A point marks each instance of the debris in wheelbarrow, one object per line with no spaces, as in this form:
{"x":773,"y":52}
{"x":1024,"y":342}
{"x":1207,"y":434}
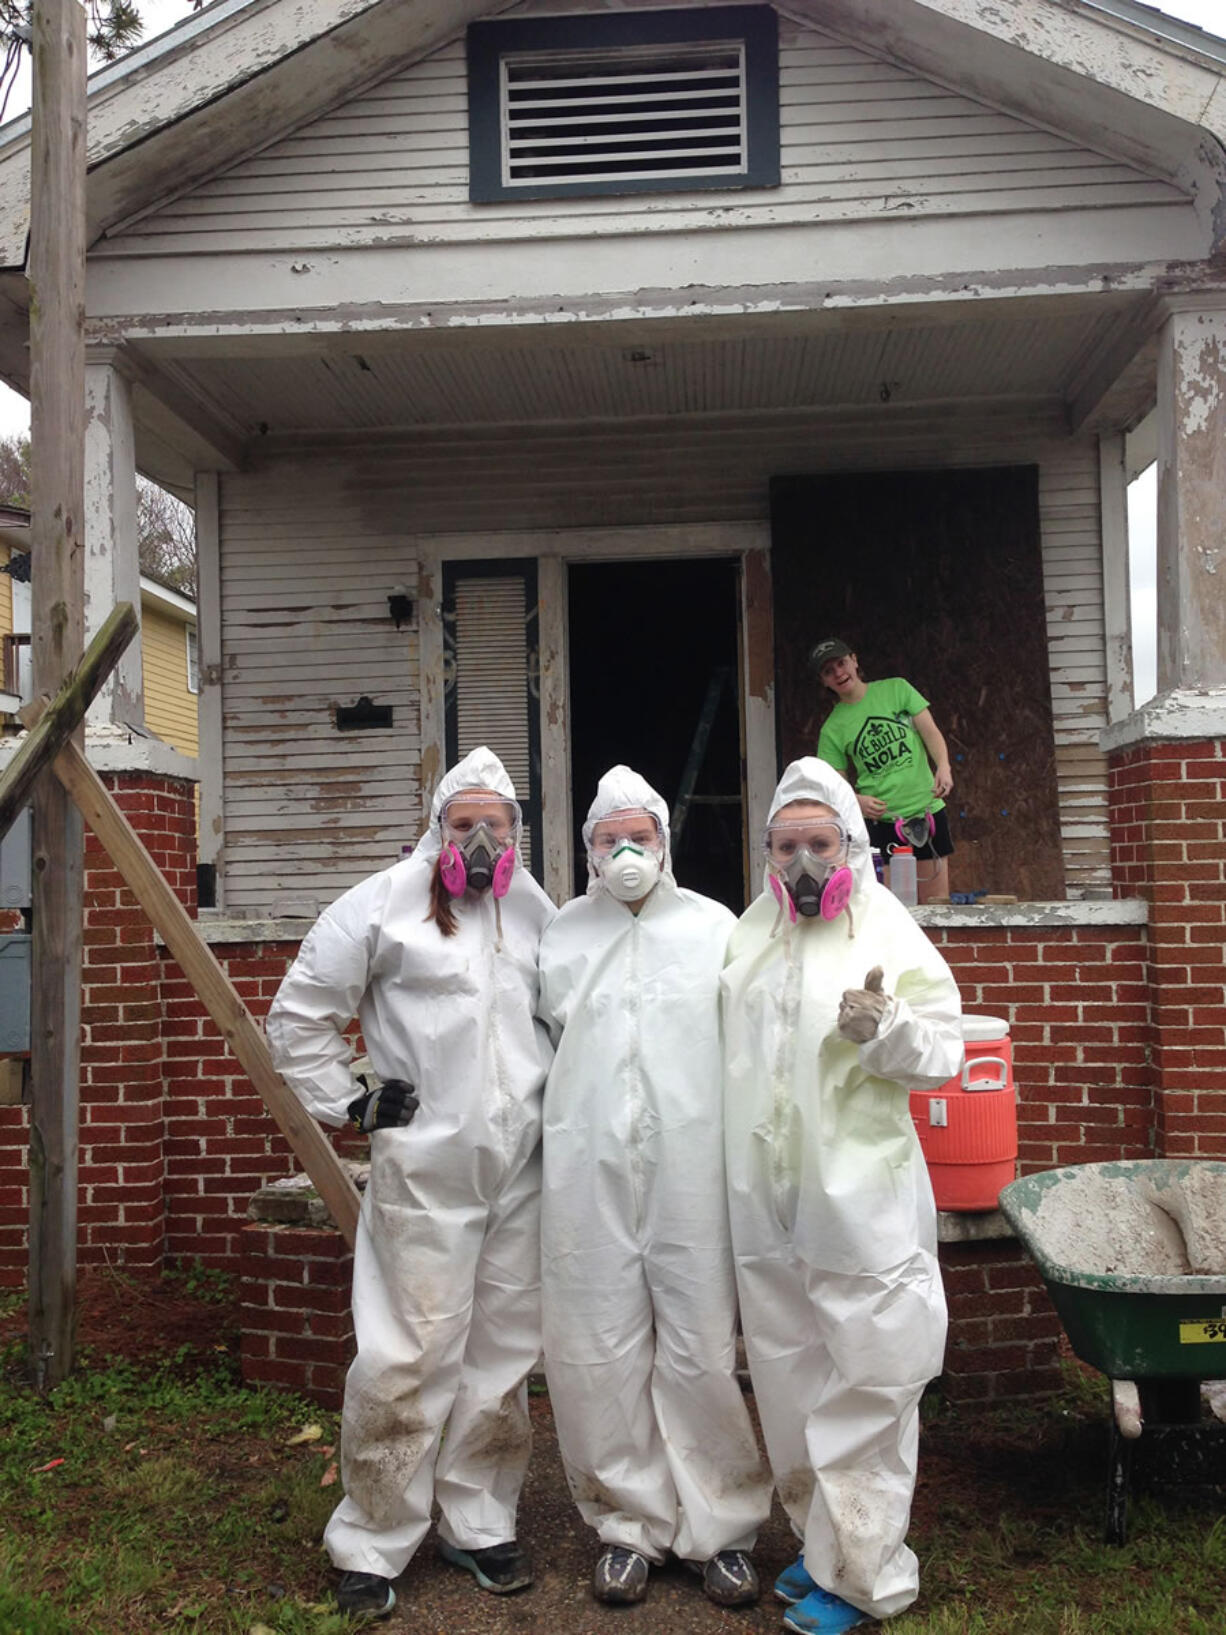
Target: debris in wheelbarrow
{"x":1133,"y":1255}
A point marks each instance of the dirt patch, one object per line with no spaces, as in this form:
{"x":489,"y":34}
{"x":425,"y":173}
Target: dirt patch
{"x":187,"y":1320}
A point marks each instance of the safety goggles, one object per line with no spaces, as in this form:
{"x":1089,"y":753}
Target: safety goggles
{"x":463,"y":815}
{"x":638,"y":828}
{"x":825,"y":840}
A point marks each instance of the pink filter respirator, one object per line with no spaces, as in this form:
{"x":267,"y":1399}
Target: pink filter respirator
{"x":454,"y":871}
{"x":836,"y":894}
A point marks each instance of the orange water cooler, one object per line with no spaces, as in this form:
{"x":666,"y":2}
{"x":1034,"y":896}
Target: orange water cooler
{"x":968,"y":1127}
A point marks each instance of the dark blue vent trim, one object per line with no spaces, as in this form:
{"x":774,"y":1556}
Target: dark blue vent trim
{"x":756,"y":27}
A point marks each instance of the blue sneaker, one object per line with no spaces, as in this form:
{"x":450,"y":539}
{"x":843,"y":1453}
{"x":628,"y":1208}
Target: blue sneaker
{"x":821,"y":1613}
{"x":794,"y":1583}
{"x":499,"y":1568}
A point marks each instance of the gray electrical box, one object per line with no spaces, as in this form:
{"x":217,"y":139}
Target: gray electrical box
{"x":14,"y":993}
{"x":15,"y":863}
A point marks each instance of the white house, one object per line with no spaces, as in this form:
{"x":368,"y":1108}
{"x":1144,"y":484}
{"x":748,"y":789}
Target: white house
{"x":554,"y":377}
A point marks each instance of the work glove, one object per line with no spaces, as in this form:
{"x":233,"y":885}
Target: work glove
{"x":861,"y":1009}
{"x":390,"y":1107}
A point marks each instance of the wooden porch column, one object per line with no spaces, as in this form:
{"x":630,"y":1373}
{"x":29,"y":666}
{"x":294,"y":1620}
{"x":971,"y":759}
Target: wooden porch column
{"x":112,"y":554}
{"x":57,"y":398}
{"x":1192,"y":496}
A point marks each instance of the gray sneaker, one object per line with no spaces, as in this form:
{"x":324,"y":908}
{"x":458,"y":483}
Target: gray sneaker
{"x":620,"y":1575}
{"x":729,"y":1579}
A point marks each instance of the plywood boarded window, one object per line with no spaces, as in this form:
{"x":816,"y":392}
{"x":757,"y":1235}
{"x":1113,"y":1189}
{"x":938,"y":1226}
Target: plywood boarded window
{"x":936,"y":576}
{"x":491,"y":670}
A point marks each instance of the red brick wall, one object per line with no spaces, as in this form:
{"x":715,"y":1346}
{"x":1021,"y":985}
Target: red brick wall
{"x":1003,"y":1330}
{"x":221,"y":1144}
{"x":1169,"y":847}
{"x":120,"y":1205}
{"x":1077,"y":1004}
{"x":297,"y":1326}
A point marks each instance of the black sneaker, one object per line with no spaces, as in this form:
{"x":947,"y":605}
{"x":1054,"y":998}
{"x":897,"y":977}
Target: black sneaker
{"x":365,"y":1594}
{"x":620,"y":1575}
{"x":499,"y":1568}
{"x":729,"y":1579}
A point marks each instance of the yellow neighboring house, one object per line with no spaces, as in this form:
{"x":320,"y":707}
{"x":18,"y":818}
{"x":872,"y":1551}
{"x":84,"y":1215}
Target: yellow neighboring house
{"x":168,"y":645}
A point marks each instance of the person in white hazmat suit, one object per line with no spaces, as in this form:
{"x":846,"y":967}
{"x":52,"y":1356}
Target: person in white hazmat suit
{"x":638,"y":1291}
{"x":835,"y":1006}
{"x":437,"y":956}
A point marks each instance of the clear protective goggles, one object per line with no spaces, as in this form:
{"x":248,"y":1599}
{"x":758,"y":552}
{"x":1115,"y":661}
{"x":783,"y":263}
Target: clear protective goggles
{"x":638,"y":828}
{"x":464,"y":814}
{"x":825,"y":839}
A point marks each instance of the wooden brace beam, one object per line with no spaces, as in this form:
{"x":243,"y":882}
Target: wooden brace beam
{"x":57,"y":722}
{"x":211,"y":984}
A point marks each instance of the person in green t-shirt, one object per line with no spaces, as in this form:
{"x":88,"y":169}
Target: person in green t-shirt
{"x":881,"y":736}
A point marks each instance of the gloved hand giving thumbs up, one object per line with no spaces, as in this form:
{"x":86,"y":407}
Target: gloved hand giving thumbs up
{"x":861,"y":1009}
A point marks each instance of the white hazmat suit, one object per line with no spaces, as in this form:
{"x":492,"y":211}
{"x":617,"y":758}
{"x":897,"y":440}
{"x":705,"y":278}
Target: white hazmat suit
{"x":833,"y":1223}
{"x":638,"y":1289}
{"x":446,"y":1274}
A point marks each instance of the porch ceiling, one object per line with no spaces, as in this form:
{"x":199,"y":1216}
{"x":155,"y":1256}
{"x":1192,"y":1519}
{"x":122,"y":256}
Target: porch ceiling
{"x":384,"y":383}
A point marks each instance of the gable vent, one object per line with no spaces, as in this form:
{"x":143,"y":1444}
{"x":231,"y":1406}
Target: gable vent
{"x":631,"y":113}
{"x":623,"y":102}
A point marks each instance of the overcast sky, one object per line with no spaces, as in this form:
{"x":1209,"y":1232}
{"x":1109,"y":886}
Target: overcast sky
{"x":159,"y":15}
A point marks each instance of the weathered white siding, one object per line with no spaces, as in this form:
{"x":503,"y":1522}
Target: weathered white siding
{"x":312,"y":544}
{"x":861,"y":139}
{"x":308,"y":809}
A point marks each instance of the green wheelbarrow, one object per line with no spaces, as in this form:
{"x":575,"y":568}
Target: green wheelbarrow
{"x":1134,"y":1258}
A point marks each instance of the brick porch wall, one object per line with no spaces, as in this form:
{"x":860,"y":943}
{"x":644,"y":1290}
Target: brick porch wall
{"x":121,"y":1210}
{"x":1077,"y":1002}
{"x":1169,"y":847}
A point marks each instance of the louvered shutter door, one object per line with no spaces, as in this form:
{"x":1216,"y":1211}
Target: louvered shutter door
{"x":491,"y":689}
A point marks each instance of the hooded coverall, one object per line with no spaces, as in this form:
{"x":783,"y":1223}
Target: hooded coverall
{"x":446,"y":1274}
{"x":638,"y":1291}
{"x":833,"y":1223}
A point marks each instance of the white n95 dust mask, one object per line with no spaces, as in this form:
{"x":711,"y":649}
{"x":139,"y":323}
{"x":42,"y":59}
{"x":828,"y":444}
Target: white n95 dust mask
{"x":629,"y":872}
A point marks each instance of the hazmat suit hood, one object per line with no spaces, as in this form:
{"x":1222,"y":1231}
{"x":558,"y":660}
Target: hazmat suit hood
{"x":480,"y":769}
{"x":623,"y":790}
{"x":812,"y":780}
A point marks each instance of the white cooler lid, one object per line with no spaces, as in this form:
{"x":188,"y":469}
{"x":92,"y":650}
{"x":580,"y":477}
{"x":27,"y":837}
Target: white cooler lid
{"x":976,"y":1029}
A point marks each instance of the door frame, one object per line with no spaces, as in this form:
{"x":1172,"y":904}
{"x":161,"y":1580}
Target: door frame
{"x":554,"y":549}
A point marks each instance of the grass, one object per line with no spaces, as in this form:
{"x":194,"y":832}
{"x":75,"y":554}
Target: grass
{"x":1013,"y":1540}
{"x":181,"y":1505}
{"x":178,"y":1506}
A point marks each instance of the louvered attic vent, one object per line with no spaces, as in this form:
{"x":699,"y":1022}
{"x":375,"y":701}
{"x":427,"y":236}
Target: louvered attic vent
{"x":624,"y":114}
{"x":624,"y":103}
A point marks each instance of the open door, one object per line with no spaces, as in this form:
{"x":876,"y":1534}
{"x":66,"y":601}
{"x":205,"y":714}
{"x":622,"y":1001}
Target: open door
{"x":655,"y":683}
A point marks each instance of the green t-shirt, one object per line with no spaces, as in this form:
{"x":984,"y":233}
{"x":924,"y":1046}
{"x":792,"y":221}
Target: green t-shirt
{"x":886,"y":755}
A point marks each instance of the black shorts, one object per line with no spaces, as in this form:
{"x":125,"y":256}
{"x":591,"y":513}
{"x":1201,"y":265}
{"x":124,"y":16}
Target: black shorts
{"x":885,"y":838}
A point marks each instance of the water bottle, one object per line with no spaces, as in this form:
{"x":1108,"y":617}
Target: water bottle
{"x":902,"y":875}
{"x":878,"y":866}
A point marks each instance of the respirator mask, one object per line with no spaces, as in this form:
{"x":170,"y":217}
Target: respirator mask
{"x":478,"y":846}
{"x":627,"y":853}
{"x":630,"y":872}
{"x":807,"y":864}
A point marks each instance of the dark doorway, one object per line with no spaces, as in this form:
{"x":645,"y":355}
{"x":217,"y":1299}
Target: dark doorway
{"x":654,"y":684}
{"x":936,"y":576}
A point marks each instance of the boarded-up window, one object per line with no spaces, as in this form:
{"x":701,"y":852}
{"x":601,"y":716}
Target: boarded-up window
{"x":491,"y":669}
{"x":936,"y":576}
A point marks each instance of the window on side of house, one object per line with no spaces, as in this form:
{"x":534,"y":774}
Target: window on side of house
{"x":193,"y":659}
{"x":647,"y":102}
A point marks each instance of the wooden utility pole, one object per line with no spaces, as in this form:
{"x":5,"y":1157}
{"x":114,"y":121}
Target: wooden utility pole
{"x":57,"y":510}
